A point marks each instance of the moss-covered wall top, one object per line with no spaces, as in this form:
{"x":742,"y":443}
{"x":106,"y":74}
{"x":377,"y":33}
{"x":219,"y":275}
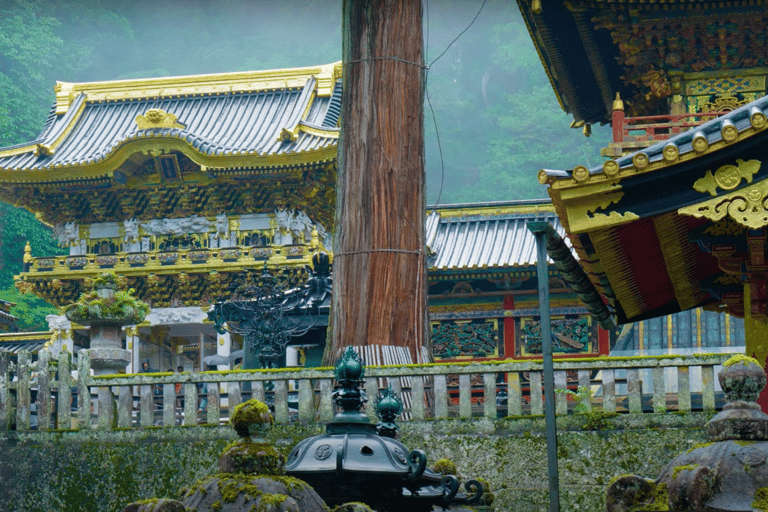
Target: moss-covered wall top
{"x":94,"y":471}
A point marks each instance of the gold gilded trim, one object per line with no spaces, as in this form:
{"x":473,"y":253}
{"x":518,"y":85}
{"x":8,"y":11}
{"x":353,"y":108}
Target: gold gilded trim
{"x":157,"y":118}
{"x":670,"y":152}
{"x":581,"y":174}
{"x":611,"y":167}
{"x":19,"y":151}
{"x":495,"y":210}
{"x":640,"y":161}
{"x":105,"y":167}
{"x":746,"y":206}
{"x":50,"y":149}
{"x":700,"y":143}
{"x":220,"y":83}
{"x":727,"y":177}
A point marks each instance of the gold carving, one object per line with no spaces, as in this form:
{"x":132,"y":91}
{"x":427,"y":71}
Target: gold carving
{"x":728,"y":280}
{"x":581,"y":174}
{"x":729,"y":132}
{"x":640,"y":161}
{"x":725,"y":227}
{"x":157,"y":118}
{"x":727,"y":177}
{"x":670,"y":152}
{"x":700,"y":143}
{"x":615,"y":217}
{"x":746,"y":206}
{"x":543,"y":177}
{"x":610,"y":167}
{"x":757,"y":119}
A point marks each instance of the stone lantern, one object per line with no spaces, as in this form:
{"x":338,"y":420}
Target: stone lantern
{"x":728,"y":473}
{"x":106,"y":310}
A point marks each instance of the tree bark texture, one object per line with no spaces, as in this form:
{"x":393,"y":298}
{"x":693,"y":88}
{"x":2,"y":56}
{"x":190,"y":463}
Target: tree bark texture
{"x":379,"y":267}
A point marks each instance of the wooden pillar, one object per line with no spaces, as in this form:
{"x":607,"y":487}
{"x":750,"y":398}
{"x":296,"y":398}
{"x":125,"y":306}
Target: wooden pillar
{"x":379,"y":267}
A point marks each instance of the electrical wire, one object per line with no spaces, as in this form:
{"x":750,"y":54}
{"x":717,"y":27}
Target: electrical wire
{"x":429,"y":102}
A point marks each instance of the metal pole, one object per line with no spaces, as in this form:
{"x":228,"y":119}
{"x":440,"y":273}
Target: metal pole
{"x":539,"y":229}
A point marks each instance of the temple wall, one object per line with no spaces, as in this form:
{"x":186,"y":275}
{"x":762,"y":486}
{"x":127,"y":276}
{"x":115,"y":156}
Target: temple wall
{"x":103,"y":471}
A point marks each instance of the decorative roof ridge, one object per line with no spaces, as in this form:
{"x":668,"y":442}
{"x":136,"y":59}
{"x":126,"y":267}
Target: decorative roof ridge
{"x":59,"y":131}
{"x":484,"y":217}
{"x":739,"y":124}
{"x":237,"y":81}
{"x":485,"y":204}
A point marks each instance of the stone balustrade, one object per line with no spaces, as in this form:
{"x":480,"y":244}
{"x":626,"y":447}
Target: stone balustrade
{"x":32,"y":398}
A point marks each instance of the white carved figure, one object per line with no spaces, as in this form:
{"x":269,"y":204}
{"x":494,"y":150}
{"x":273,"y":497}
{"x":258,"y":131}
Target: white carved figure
{"x":283,"y":232}
{"x":67,"y":234}
{"x":59,"y":322}
{"x":301,"y":226}
{"x":178,"y":315}
{"x":222,"y":226}
{"x":153,"y":227}
{"x":131,"y":231}
{"x":193,"y":224}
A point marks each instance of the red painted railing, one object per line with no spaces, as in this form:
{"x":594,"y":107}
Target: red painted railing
{"x":633,"y":133}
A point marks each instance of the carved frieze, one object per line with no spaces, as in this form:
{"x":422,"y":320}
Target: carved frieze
{"x":746,"y":206}
{"x":193,"y":224}
{"x":167,"y":316}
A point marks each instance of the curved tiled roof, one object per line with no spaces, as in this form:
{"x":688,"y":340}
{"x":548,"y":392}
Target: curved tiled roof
{"x":485,"y":241}
{"x":736,"y":125}
{"x":267,"y":121}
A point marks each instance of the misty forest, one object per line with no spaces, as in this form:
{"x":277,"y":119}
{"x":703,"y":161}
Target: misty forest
{"x":492,"y":119}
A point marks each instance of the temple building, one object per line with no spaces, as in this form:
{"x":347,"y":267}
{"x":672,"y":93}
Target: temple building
{"x":183,"y":185}
{"x":672,"y":228}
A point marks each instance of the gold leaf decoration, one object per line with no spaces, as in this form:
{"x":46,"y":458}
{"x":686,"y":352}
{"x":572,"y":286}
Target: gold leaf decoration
{"x":727,"y":177}
{"x":157,"y":118}
{"x":746,"y":206}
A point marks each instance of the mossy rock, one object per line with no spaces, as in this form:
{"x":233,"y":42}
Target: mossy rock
{"x":248,"y":457}
{"x":445,"y":467}
{"x":227,"y":492}
{"x":156,"y":505}
{"x":353,"y":507}
{"x":250,"y":416}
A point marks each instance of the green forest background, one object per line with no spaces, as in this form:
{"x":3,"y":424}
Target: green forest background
{"x":496,"y":115}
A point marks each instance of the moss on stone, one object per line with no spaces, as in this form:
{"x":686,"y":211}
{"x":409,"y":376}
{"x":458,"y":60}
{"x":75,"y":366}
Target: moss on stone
{"x":678,"y":469}
{"x":445,"y":467}
{"x":252,"y":412}
{"x":761,"y":499}
{"x":659,"y":500}
{"x":741,"y":359}
{"x":249,"y":457}
{"x":697,"y":446}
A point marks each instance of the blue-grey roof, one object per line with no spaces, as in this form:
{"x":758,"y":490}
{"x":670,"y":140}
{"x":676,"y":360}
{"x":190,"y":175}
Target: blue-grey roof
{"x":485,"y":240}
{"x":729,"y":127}
{"x":229,"y":123}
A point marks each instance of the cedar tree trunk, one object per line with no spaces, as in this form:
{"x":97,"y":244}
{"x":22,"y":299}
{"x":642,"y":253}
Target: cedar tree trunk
{"x":379,"y":267}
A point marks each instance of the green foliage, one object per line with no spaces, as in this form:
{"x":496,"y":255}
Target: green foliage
{"x":17,"y":227}
{"x":121,"y":307}
{"x":30,"y":310}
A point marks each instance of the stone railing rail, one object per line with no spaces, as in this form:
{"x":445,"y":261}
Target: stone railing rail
{"x":31,"y":398}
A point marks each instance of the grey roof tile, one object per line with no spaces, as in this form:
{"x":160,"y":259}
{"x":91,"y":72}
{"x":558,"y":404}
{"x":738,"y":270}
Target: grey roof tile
{"x":484,"y":241}
{"x":214,"y":124}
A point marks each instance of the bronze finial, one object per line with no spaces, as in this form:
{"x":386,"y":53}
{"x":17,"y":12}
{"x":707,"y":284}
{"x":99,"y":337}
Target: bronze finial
{"x":618,"y":104}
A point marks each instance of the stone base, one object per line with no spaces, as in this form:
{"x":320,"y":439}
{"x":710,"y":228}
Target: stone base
{"x":106,"y":361}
